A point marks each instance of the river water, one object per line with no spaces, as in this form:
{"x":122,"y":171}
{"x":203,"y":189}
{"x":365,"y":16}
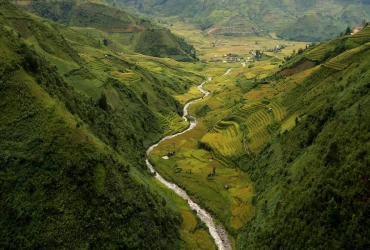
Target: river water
{"x":216,"y":231}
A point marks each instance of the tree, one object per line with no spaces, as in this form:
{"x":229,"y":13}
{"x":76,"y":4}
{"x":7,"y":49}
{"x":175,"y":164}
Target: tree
{"x":30,"y":62}
{"x":105,"y":41}
{"x":332,"y":212}
{"x":348,"y":31}
{"x":102,"y":102}
{"x":144,"y":97}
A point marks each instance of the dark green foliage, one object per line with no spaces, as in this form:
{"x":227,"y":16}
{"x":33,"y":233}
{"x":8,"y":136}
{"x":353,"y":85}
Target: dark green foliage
{"x":144,"y":97}
{"x":154,"y":42}
{"x":105,"y":42}
{"x":202,"y":111}
{"x":204,"y":145}
{"x":102,"y":102}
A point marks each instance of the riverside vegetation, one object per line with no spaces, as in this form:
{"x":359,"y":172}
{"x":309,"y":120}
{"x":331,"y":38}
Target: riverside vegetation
{"x":279,"y":155}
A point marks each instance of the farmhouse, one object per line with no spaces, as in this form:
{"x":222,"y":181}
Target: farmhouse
{"x":357,"y":29}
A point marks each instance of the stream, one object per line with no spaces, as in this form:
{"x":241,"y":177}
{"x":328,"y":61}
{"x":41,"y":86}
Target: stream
{"x":217,"y":232}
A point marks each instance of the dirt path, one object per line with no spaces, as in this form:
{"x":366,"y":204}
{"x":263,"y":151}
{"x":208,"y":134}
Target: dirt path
{"x":217,"y":232}
{"x":227,"y":72}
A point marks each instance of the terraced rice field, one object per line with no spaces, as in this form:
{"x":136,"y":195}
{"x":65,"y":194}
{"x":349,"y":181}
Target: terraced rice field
{"x":278,"y":110}
{"x":152,"y":66}
{"x":172,"y":122}
{"x":98,"y":66}
{"x":336,"y":65}
{"x":259,"y":138}
{"x":127,"y":77}
{"x":256,"y":124}
{"x":87,"y":58}
{"x":246,"y":110}
{"x":258,"y":119}
{"x":317,"y":53}
{"x":226,"y":138}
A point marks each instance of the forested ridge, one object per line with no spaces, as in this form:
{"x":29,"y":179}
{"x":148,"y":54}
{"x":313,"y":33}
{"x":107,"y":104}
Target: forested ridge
{"x":66,"y":156}
{"x":117,"y":27}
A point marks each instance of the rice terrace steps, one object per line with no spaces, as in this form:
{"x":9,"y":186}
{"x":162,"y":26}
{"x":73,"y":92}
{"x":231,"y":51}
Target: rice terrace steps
{"x":226,"y":138}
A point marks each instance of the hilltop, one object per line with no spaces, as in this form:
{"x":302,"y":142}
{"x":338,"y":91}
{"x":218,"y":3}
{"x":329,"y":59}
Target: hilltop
{"x":116,"y":28}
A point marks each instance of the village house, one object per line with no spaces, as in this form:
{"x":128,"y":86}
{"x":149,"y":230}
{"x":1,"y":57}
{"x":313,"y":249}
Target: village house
{"x":357,"y":29}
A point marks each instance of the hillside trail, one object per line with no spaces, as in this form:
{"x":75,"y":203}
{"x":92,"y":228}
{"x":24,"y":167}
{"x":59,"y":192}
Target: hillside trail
{"x":217,"y":232}
{"x":227,"y":72}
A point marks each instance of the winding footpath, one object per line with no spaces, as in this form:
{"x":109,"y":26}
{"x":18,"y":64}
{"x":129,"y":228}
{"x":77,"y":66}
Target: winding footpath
{"x":216,"y":231}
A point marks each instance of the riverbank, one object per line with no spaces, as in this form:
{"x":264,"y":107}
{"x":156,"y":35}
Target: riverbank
{"x":217,"y":232}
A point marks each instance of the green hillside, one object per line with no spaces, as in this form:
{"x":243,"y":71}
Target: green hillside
{"x":312,"y":180}
{"x":76,"y":120}
{"x":119,"y":30}
{"x":292,"y":19}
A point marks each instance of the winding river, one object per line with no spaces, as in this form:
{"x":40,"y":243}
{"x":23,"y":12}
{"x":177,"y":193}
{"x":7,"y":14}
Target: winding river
{"x":216,"y":231}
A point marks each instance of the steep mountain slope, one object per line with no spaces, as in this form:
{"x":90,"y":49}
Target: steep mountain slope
{"x":312,"y":178}
{"x":73,"y":126}
{"x":287,"y":18}
{"x":118,"y":28}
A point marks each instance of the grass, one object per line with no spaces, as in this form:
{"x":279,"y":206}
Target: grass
{"x":289,"y":123}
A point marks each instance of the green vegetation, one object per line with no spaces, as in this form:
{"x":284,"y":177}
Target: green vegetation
{"x":283,"y":163}
{"x":115,"y":28}
{"x":279,"y":156}
{"x":311,"y":184}
{"x":73,"y":137}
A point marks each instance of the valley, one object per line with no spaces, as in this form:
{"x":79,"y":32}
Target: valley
{"x":118,"y":132}
{"x":212,"y":179}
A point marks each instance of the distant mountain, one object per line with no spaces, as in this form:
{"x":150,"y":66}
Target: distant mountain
{"x":119,"y":27}
{"x":288,"y":19}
